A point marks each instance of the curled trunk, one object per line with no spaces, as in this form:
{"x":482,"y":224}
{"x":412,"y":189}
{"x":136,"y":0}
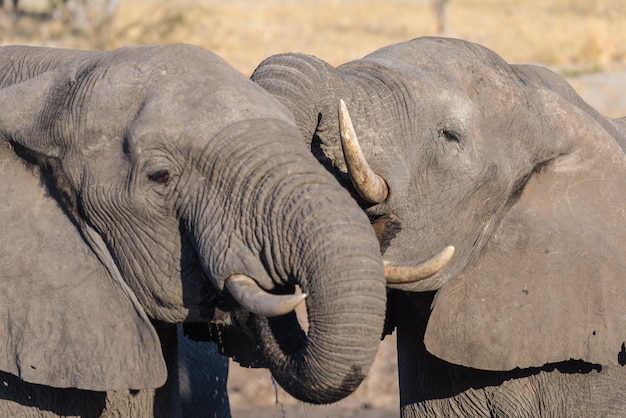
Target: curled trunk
{"x":310,"y":88}
{"x":341,"y":272}
{"x":306,"y":231}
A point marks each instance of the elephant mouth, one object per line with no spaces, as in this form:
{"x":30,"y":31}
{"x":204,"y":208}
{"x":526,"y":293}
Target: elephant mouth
{"x":240,"y":291}
{"x":386,"y":227}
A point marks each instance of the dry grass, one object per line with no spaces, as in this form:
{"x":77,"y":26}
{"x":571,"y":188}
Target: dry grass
{"x":579,"y":35}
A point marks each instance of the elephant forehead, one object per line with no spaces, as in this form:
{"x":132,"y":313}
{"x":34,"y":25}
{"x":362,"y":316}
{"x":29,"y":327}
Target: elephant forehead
{"x":169,"y":103}
{"x":471,"y":67}
{"x":180,"y":78}
{"x":444,"y":55}
{"x":210,"y":105}
{"x":184,"y":61}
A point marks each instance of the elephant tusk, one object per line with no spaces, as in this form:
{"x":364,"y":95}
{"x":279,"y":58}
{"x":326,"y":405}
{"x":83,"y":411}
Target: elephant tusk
{"x":258,"y":301}
{"x":413,"y":271}
{"x":370,"y":186}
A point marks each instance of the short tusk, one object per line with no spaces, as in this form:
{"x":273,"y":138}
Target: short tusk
{"x":259,"y":302}
{"x":413,"y":271}
{"x":368,"y":184}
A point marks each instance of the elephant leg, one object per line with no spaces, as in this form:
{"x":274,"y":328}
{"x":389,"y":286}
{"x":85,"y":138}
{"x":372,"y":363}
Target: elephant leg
{"x":572,"y":388}
{"x":432,"y":387}
{"x":428,"y":385}
{"x":163,"y":402}
{"x":167,"y":398}
{"x":203,"y":375}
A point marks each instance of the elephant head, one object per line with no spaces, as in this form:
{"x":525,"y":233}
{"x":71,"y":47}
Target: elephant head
{"x":149,"y":185}
{"x":504,"y":162}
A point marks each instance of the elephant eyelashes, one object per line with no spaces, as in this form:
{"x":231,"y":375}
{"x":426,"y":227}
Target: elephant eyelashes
{"x":160,"y":176}
{"x":449,"y":135}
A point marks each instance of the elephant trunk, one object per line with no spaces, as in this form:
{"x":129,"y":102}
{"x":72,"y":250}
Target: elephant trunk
{"x":337,"y":263}
{"x":312,"y":90}
{"x":309,"y":87}
{"x":298,"y":227}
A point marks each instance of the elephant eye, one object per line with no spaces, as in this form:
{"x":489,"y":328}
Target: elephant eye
{"x":160,"y":176}
{"x":449,"y":135}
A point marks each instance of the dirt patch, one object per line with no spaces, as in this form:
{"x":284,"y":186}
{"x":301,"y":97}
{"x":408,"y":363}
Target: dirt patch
{"x":253,"y":394}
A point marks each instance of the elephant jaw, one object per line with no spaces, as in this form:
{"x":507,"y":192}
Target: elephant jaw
{"x":230,"y":266}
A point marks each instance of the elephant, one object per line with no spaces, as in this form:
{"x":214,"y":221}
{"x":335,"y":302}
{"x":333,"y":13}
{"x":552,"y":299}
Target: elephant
{"x":151,"y":185}
{"x":442,"y":141}
{"x":202,"y":376}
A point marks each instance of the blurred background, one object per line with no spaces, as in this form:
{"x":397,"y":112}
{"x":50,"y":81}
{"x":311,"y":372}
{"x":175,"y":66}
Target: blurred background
{"x":585,"y":40}
{"x":574,"y":35}
{"x":581,"y":39}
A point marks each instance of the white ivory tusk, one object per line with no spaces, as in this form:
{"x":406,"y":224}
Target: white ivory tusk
{"x":258,"y":301}
{"x":413,"y":271}
{"x":368,"y":184}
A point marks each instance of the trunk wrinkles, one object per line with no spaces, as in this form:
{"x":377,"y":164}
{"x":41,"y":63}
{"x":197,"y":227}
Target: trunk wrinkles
{"x":331,"y":252}
{"x":294,"y":225}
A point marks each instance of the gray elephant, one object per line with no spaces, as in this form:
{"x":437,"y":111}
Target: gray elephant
{"x":151,"y":185}
{"x":202,"y":376}
{"x":447,"y":143}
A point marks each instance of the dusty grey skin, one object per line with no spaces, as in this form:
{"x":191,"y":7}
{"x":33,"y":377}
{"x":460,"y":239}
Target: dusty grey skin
{"x":508,"y":164}
{"x":135,"y":182}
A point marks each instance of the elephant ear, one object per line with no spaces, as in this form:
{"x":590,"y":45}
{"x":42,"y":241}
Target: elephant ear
{"x":550,"y":285}
{"x":66,"y":317}
{"x":64,"y":321}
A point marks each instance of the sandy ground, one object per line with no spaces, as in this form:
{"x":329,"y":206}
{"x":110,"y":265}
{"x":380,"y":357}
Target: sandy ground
{"x":585,"y":40}
{"x":253,"y":394}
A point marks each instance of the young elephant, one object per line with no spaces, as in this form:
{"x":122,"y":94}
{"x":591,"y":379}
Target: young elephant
{"x":151,"y":185}
{"x":526,"y":180}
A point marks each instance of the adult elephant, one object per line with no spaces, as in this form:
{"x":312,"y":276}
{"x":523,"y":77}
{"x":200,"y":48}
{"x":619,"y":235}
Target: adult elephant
{"x":152,"y":185}
{"x":524,"y":178}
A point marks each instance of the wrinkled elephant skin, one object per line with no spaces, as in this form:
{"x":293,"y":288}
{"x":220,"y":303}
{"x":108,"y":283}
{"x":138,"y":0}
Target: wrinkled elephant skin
{"x":136,"y":184}
{"x":527,"y":181}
